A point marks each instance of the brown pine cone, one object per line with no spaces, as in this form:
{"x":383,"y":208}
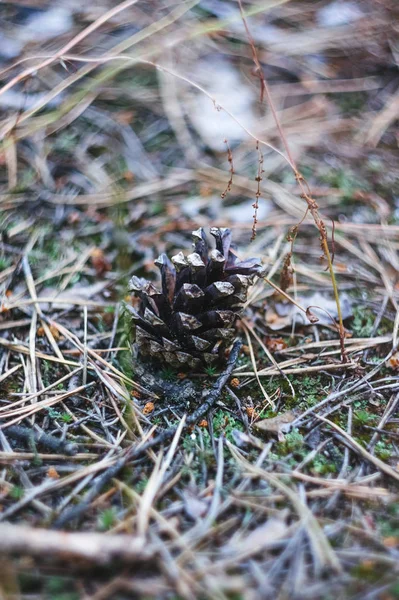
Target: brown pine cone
{"x":190,"y":323}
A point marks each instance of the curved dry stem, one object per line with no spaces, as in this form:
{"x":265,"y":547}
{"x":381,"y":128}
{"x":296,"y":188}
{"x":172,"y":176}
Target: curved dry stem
{"x":304,"y":187}
{"x":68,"y":46}
{"x":106,"y":59}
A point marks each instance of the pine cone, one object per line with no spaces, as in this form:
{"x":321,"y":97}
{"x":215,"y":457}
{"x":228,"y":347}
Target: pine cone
{"x":190,"y":323}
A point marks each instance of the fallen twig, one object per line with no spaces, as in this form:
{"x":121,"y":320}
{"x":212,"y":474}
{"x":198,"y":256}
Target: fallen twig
{"x":30,"y":436}
{"x":135,"y":451}
{"x":96,"y":548}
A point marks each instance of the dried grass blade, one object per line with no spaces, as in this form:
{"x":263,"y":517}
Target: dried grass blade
{"x":362,"y":451}
{"x":253,"y":360}
{"x":8,"y":373}
{"x":326,"y":557}
{"x":155,"y":482}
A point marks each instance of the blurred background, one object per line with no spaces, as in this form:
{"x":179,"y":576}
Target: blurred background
{"x":117,"y":122}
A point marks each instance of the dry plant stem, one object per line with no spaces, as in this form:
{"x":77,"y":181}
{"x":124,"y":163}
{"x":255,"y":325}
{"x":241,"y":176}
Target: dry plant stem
{"x":231,"y":171}
{"x":135,"y":451}
{"x":325,"y":557}
{"x":13,"y":457}
{"x":91,"y":548}
{"x":387,"y":469}
{"x":103,"y":60}
{"x":341,"y":328}
{"x":253,"y":360}
{"x":287,"y":296}
{"x":305,"y":191}
{"x":217,"y":25}
{"x":264,"y":87}
{"x":258,"y":180}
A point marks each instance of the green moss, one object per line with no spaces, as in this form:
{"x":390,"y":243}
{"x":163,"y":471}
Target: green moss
{"x":17,"y":492}
{"x":4,"y":262}
{"x":169,"y":374}
{"x":125,"y":361}
{"x":203,"y":453}
{"x":353,"y":102}
{"x":224,"y":424}
{"x":26,"y":179}
{"x":109,"y":310}
{"x":370,"y":572}
{"x":309,"y":389}
{"x":293,"y":442}
{"x":59,"y":588}
{"x":53,"y":413}
{"x":364,"y":417}
{"x":322,"y":466}
{"x":345,"y":180}
{"x":66,"y":417}
{"x":388,"y":525}
{"x":210,"y":371}
{"x":141,"y":485}
{"x":107,"y":518}
{"x":383,"y":450}
{"x":363,"y":321}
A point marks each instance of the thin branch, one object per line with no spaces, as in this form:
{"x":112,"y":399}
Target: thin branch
{"x":135,"y":451}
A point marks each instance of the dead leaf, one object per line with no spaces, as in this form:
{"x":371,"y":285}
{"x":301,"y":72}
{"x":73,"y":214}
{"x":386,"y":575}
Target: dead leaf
{"x":53,"y":473}
{"x":275,"y":344}
{"x":60,"y":300}
{"x":74,"y":217}
{"x":125,"y":117}
{"x":53,"y":330}
{"x":99,"y":261}
{"x":277,"y":425}
{"x":277,"y":321}
{"x":391,"y":541}
{"x":149,"y":407}
{"x":394,"y":361}
{"x":323,"y":307}
{"x":194,"y":506}
{"x":262,"y":537}
{"x":251,"y":412}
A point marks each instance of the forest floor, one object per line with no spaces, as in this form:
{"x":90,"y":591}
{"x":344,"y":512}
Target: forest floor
{"x":113,"y":151}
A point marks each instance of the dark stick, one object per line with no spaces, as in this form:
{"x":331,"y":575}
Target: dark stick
{"x":32,"y":437}
{"x":217,"y":386}
{"x":77,"y":511}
